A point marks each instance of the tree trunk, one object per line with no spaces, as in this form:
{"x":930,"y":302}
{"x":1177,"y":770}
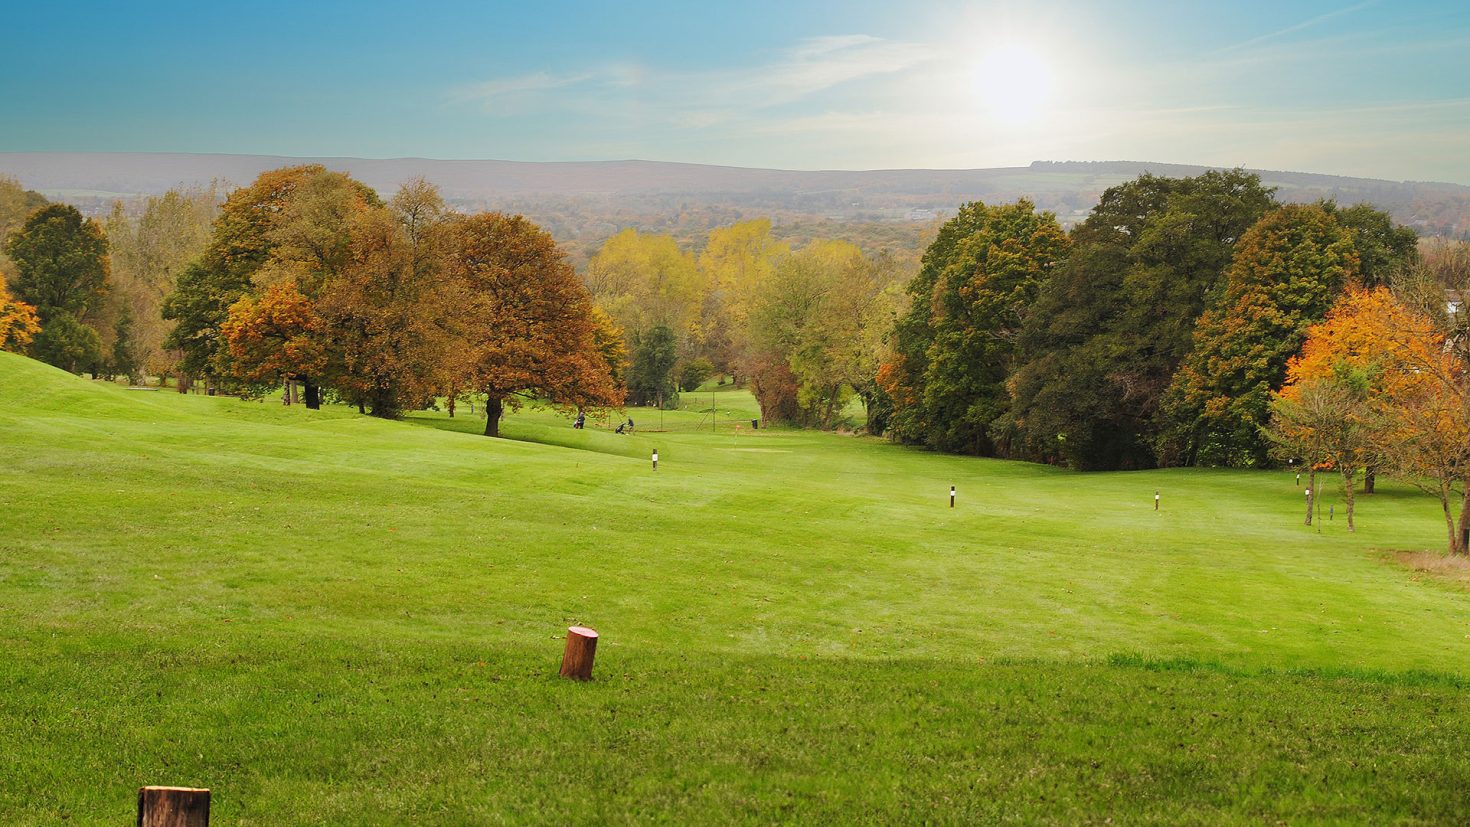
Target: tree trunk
{"x":1349,"y":477}
{"x":576,"y":661}
{"x":1459,"y":541}
{"x":286,"y":392}
{"x":173,"y":807}
{"x":182,"y":384}
{"x":494,"y":407}
{"x":451,"y":406}
{"x":1312,"y":496}
{"x":1370,"y":479}
{"x":1449,"y":518}
{"x":313,"y":396}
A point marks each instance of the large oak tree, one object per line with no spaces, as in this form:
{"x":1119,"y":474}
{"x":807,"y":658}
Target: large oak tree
{"x":529,"y":326}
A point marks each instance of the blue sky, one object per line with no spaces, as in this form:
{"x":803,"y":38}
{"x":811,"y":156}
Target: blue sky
{"x":1378,"y":89}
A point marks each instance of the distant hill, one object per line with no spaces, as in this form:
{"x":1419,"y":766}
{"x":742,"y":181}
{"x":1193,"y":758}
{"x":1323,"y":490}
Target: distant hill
{"x":583,"y":202}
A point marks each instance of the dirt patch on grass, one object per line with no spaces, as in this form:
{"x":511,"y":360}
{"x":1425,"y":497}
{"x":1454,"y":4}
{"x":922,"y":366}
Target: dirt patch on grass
{"x":1440,"y":566}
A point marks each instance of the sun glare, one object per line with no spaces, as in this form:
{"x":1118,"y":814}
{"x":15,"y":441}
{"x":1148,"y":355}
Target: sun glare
{"x":1014,"y":82}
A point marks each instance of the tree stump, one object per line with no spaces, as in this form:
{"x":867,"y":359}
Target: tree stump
{"x":576,"y":661}
{"x":173,"y":807}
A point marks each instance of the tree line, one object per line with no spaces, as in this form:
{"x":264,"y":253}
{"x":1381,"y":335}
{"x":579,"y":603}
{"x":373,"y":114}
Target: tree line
{"x":1194,"y":321}
{"x":1186,"y":321}
{"x":1153,"y":334}
{"x":308,"y":279}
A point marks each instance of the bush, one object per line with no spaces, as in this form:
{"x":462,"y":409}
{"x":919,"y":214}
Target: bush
{"x":694,"y":373}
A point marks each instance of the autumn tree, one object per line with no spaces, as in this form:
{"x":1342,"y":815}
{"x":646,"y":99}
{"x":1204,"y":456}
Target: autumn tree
{"x":1330,"y":422}
{"x":16,"y":205}
{"x":815,"y":330}
{"x":308,"y":227}
{"x":150,"y":247}
{"x":736,"y":261}
{"x":1365,"y":331}
{"x":611,"y":346}
{"x":388,"y":312}
{"x":644,"y":281}
{"x":1429,"y":443}
{"x":60,"y":260}
{"x":955,"y":346}
{"x":273,"y":337}
{"x":242,"y":239}
{"x":1284,"y":275}
{"x":529,"y":326}
{"x":19,"y":323}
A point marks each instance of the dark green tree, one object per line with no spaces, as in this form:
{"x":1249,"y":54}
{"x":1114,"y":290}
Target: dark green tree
{"x":198,"y":305}
{"x":60,"y":260}
{"x":1384,"y":248}
{"x":67,"y":343}
{"x":651,"y":379}
{"x":125,"y":348}
{"x":955,"y":345}
{"x":694,"y":373}
{"x":1112,"y":326}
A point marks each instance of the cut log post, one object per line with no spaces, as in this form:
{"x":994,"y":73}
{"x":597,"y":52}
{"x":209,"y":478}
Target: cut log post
{"x":576,"y":661}
{"x":173,"y":807}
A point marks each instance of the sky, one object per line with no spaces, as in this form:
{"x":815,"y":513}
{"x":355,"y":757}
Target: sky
{"x":1374,"y":89}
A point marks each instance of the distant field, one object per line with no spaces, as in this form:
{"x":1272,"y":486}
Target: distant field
{"x":330,"y":619}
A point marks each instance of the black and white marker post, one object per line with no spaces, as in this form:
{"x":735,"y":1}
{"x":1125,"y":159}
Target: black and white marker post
{"x":655,"y":459}
{"x":951,"y":496}
{"x":1156,"y":501}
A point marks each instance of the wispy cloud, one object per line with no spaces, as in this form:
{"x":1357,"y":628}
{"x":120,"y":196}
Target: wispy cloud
{"x":491,"y":92}
{"x":808,"y":68}
{"x":819,"y":64}
{"x":1305,"y":24}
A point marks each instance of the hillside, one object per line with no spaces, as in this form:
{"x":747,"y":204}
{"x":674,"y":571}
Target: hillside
{"x":333,"y":619}
{"x":587,"y":201}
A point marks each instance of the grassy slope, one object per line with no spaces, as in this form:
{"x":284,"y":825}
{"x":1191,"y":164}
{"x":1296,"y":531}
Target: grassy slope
{"x":330,"y":619}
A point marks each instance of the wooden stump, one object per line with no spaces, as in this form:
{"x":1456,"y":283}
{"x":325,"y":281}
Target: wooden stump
{"x":576,"y":661}
{"x":173,"y":807}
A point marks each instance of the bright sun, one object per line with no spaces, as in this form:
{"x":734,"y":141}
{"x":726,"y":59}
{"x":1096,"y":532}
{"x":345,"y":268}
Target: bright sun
{"x":1014,"y":82}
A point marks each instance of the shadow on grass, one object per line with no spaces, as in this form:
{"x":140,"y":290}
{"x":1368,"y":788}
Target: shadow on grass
{"x":596,"y":439}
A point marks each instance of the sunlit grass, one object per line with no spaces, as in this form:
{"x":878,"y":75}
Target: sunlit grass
{"x":331,"y":619}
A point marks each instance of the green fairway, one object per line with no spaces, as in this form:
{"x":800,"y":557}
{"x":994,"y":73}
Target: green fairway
{"x":331,"y":619}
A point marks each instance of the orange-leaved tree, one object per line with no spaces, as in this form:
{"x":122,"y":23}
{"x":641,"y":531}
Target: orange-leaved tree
{"x":18,"y":320}
{"x":1410,"y":411}
{"x":273,"y":337}
{"x":528,"y":322}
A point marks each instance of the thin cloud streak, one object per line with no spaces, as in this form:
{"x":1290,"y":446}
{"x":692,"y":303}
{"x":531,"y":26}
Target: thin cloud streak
{"x":1305,"y":24}
{"x":809,"y":68}
{"x":487,"y":92}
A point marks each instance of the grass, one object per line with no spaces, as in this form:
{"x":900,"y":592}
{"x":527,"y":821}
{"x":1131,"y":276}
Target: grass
{"x":330,"y":619}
